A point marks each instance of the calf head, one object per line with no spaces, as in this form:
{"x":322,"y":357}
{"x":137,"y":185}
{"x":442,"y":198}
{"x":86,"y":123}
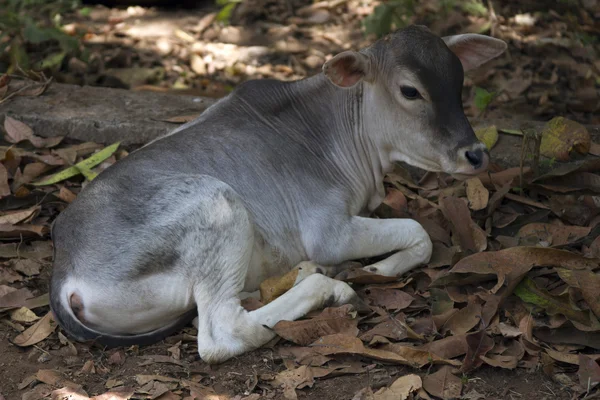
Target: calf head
{"x":411,"y":90}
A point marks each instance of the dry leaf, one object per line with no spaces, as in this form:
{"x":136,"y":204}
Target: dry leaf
{"x":477,"y":194}
{"x":15,"y":298}
{"x":464,"y":320}
{"x":272,"y":288}
{"x":589,"y":372}
{"x":15,"y":217}
{"x":363,"y":277}
{"x":586,"y":281}
{"x":417,"y":357}
{"x":117,"y":358}
{"x":27,"y":267}
{"x":448,"y":347}
{"x":468,"y":234}
{"x":17,"y":131}
{"x":391,"y":299}
{"x":66,"y":195}
{"x":23,"y":314}
{"x":300,"y":377}
{"x":561,"y":135}
{"x":4,"y":187}
{"x":120,"y":393}
{"x":443,"y":384}
{"x":69,"y":393}
{"x":555,"y":235}
{"x":401,"y":389}
{"x":478,"y":344}
{"x":511,"y":264}
{"x":330,"y":321}
{"x":38,"y":332}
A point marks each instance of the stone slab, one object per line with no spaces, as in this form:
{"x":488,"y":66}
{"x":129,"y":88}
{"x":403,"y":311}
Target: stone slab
{"x":101,"y":115}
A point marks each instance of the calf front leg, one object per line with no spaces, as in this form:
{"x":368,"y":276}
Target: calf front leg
{"x":361,"y":237}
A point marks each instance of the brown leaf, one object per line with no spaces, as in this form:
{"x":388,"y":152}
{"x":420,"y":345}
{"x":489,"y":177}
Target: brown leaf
{"x":300,"y":377}
{"x":477,"y":194}
{"x":511,"y":264}
{"x":117,"y":358}
{"x":66,"y":195}
{"x":17,"y":131}
{"x":468,"y":234}
{"x":15,"y":217}
{"x":344,"y":344}
{"x":69,"y":393}
{"x":15,"y":299}
{"x":417,"y":357}
{"x":27,"y":267}
{"x":448,"y":347}
{"x":589,"y":372}
{"x":144,"y":379}
{"x":563,"y":356}
{"x":54,"y":378}
{"x":332,"y":320}
{"x":273,"y":287}
{"x":442,"y":255}
{"x":401,"y":389}
{"x":120,"y":393}
{"x":22,"y":231}
{"x":36,"y":250}
{"x":478,"y":344}
{"x":586,"y":281}
{"x":30,"y":172}
{"x":363,"y":277}
{"x":390,"y":329}
{"x":443,"y":384}
{"x":364,"y":394}
{"x":7,"y":275}
{"x":391,"y":299}
{"x":555,"y":235}
{"x":37,"y":332}
{"x":464,"y":320}
{"x":4,"y":187}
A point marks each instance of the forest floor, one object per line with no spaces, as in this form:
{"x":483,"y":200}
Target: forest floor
{"x":507,"y":308}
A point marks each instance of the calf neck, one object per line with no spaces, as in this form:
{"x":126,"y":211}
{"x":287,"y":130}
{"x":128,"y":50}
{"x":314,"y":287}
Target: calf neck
{"x":277,"y":175}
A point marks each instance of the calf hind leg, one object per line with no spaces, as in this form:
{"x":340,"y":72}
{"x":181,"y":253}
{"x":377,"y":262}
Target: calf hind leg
{"x":225,"y":328}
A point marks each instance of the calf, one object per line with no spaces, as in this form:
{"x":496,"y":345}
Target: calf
{"x":272,"y":176}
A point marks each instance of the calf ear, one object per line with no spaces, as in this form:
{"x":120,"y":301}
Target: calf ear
{"x":474,"y":50}
{"x":347,"y":68}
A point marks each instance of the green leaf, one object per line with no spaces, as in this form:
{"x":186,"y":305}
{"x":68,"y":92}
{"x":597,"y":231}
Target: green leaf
{"x":225,"y":13}
{"x":52,"y":61}
{"x":528,"y":291}
{"x":85,"y":11}
{"x":34,"y":34}
{"x":380,"y":22}
{"x":483,"y":98}
{"x":83,"y":167}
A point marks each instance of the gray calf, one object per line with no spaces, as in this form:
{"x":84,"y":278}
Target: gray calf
{"x":274,"y":174}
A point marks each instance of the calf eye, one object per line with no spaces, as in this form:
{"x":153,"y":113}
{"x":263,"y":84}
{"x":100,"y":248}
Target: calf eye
{"x":410,"y":92}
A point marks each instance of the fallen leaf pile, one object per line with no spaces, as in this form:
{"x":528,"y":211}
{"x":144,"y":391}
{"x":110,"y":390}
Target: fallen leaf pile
{"x":514,"y":282}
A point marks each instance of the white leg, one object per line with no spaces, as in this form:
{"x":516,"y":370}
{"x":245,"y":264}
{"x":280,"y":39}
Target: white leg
{"x":226,"y":330}
{"x":368,"y":237}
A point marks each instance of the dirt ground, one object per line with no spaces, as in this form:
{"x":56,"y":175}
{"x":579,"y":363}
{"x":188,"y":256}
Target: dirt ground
{"x":551,"y":69}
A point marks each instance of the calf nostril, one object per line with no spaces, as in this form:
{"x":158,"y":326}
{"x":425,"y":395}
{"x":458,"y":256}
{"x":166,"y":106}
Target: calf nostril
{"x":475,"y":158}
